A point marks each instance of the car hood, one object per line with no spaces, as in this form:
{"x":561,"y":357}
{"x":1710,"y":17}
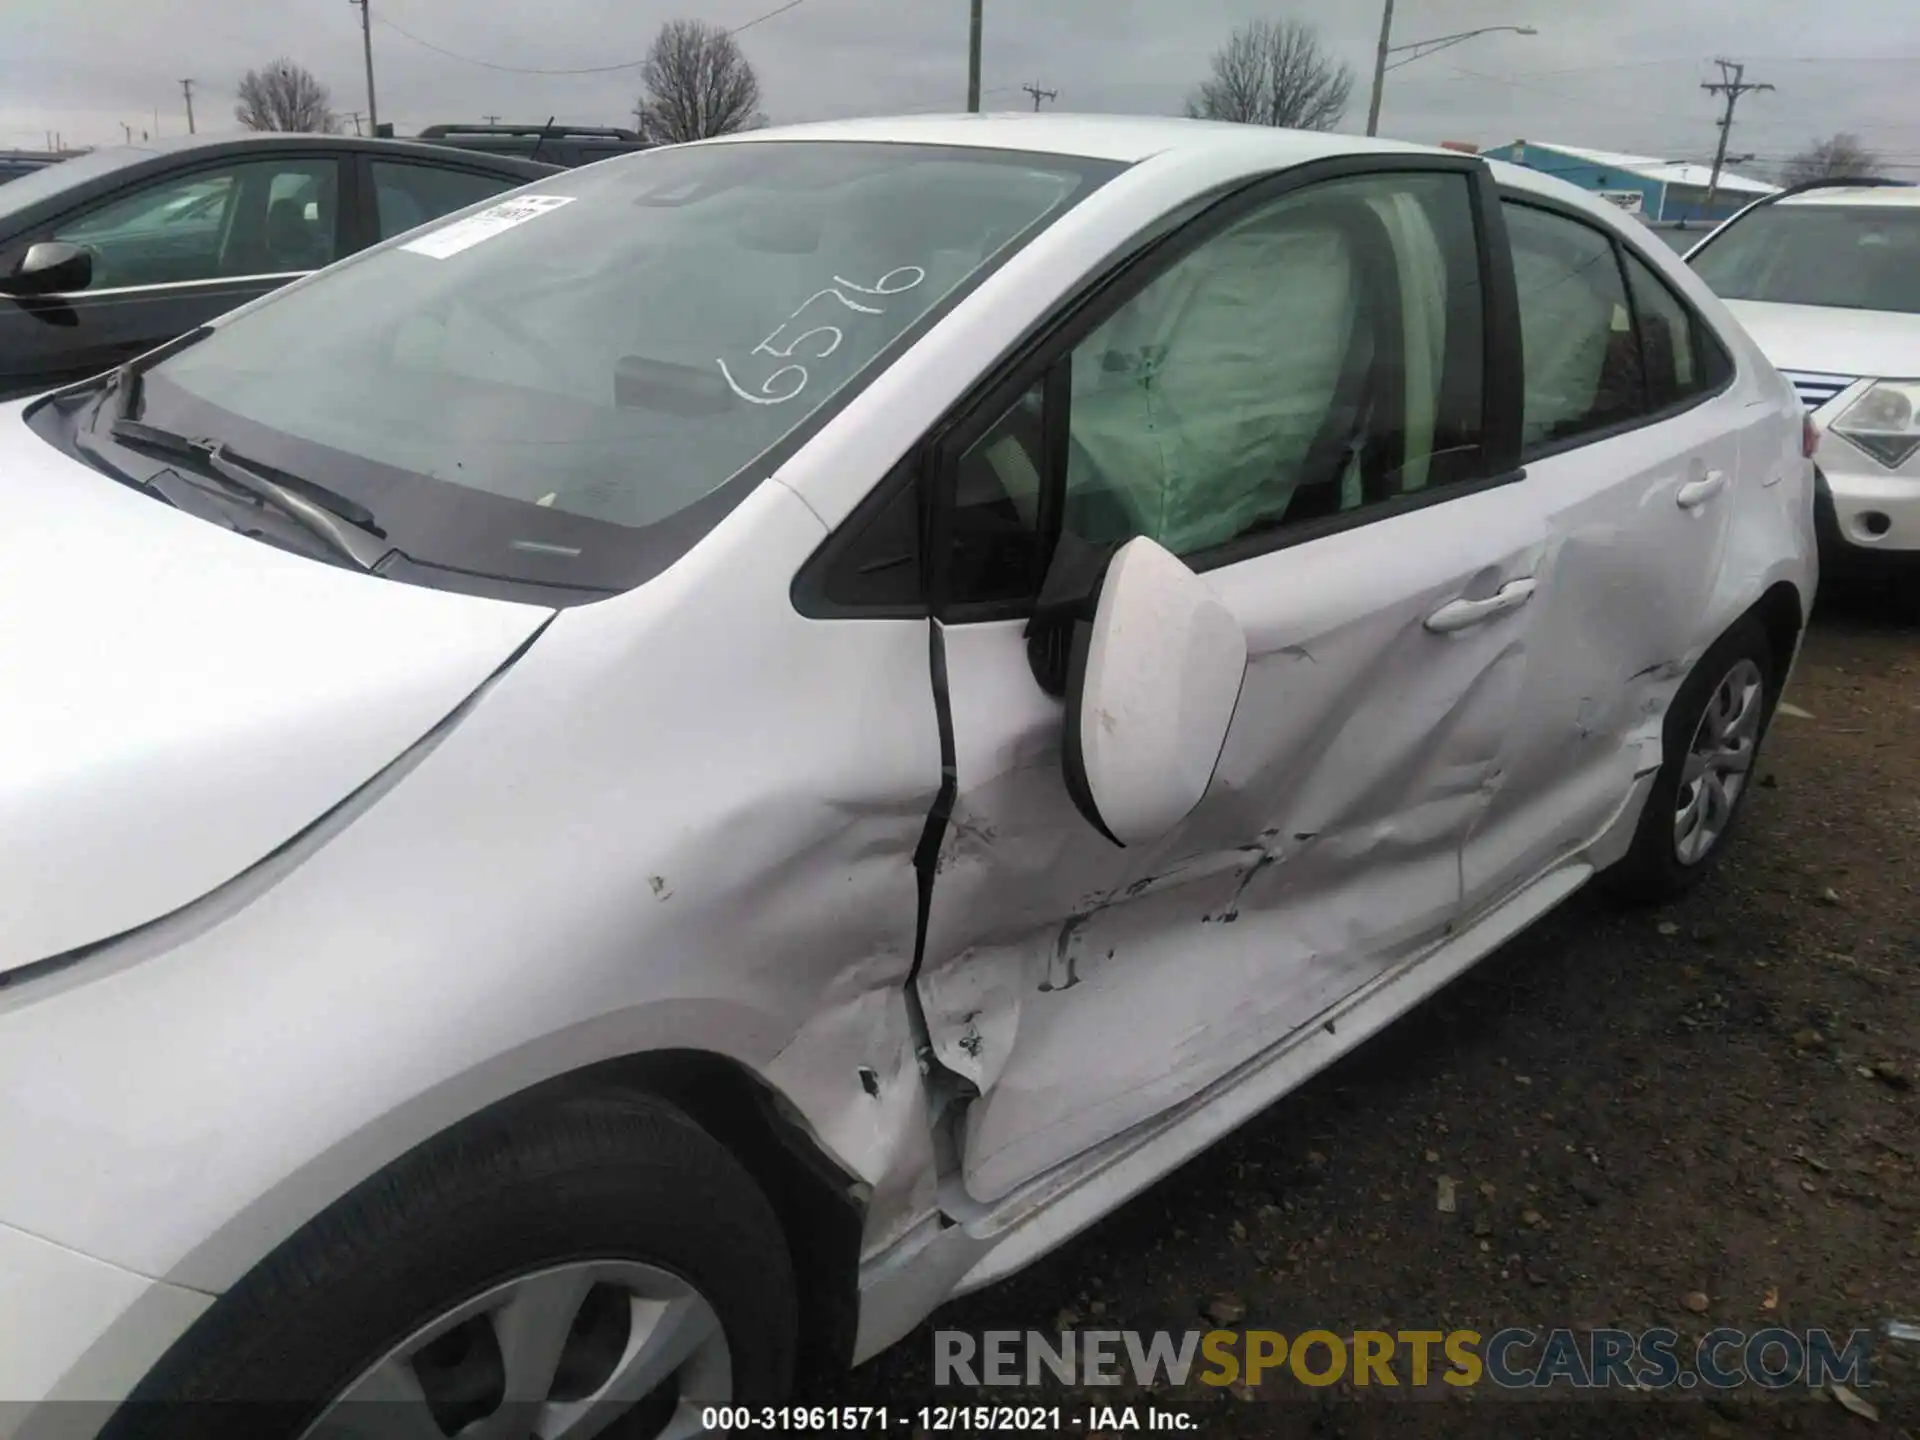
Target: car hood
{"x":180,"y":701}
{"x":1878,"y":343}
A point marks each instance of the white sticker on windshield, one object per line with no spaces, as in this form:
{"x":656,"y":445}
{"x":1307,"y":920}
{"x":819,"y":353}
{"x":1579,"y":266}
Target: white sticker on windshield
{"x":464,"y":234}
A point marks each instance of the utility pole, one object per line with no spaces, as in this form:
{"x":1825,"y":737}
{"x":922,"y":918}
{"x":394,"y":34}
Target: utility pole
{"x":1380,"y":67}
{"x":973,"y":62}
{"x":1733,"y":84}
{"x":129,"y":129}
{"x":354,"y":116}
{"x":366,"y":41}
{"x":186,"y":89}
{"x":491,"y":119}
{"x":1039,"y":94}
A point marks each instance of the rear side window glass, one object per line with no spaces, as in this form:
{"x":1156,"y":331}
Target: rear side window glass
{"x":1581,"y":357}
{"x":410,"y":195}
{"x":1680,"y":357}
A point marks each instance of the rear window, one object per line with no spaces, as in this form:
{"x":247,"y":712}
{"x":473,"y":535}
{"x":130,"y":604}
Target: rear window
{"x":610,"y":347}
{"x":1852,"y":257}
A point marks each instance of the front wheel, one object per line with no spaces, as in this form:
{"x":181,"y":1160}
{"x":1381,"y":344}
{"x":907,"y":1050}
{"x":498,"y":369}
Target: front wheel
{"x":1711,"y":742}
{"x":597,"y":1267}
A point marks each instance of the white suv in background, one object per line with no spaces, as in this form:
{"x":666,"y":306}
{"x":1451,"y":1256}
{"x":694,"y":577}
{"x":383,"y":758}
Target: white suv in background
{"x":1827,"y":279}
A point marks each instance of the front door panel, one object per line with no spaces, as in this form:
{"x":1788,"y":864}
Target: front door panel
{"x":50,"y":341}
{"x":1307,"y":370}
{"x":1084,"y":988}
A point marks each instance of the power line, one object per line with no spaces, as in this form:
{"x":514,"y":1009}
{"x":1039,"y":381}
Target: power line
{"x":573,"y":70}
{"x":781,"y":10}
{"x":1695,"y":60}
{"x":1732,"y":84}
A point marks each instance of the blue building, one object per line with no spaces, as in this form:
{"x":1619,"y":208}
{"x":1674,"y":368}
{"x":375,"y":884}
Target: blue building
{"x":1658,"y":191}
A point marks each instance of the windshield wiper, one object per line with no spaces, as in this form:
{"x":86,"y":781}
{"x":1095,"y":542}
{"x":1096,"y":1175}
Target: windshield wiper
{"x":345,"y":525}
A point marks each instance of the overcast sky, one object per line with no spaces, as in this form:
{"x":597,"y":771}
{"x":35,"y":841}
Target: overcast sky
{"x":1624,"y":76}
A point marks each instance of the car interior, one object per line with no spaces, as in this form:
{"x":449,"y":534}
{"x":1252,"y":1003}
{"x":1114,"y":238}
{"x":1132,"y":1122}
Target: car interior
{"x":255,"y":219}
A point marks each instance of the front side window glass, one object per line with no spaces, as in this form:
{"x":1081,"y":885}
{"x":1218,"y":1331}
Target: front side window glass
{"x":1322,"y":355}
{"x":260,"y":218}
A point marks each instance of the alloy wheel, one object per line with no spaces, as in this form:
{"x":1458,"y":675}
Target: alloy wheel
{"x":560,"y":1354}
{"x":1718,"y":762}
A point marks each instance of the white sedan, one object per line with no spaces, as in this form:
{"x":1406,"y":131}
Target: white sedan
{"x":608,"y":802}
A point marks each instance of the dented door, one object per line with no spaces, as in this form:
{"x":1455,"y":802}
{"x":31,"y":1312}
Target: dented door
{"x":1080,"y":988}
{"x":1634,"y":467}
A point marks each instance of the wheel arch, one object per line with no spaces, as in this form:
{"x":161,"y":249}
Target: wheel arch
{"x":821,"y":1207}
{"x":1782,"y":614}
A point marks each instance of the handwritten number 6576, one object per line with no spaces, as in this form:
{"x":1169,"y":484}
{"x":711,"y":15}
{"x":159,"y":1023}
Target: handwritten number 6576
{"x":894,"y":282}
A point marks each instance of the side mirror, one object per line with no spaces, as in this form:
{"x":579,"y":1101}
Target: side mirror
{"x":50,"y":267}
{"x":1151,"y":689}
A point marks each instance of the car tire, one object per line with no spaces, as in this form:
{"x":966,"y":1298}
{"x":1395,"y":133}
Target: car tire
{"x":619,"y":1198}
{"x":1661,"y":865}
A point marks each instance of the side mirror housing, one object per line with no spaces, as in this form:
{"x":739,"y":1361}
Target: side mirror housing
{"x":1152,"y":685}
{"x":50,"y":267}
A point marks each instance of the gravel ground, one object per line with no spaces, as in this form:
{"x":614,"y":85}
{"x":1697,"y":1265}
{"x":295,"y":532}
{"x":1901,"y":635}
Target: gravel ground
{"x":1699,"y":1116}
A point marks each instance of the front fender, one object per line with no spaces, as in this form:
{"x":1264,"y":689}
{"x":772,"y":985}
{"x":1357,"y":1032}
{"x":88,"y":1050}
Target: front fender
{"x":592,"y":863}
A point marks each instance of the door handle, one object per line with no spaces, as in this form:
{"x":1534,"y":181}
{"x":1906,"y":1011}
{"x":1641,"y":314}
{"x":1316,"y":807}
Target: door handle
{"x":1695,"y":493}
{"x":1459,"y":614}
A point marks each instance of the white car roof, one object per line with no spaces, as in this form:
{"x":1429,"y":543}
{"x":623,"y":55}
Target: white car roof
{"x":1130,"y":139}
{"x":1888,"y":195}
{"x":1123,"y":138}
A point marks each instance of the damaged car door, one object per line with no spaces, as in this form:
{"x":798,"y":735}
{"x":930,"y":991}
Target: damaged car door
{"x":1632,"y":434}
{"x":1295,"y":396}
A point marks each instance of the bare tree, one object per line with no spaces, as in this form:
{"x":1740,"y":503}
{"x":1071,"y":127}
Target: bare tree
{"x":285,"y":96}
{"x":1839,"y":155}
{"x":1274,"y":72}
{"x":698,"y":83}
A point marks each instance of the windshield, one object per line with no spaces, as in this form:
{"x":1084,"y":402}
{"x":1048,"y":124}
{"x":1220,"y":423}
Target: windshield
{"x":531,"y":386}
{"x":37,"y":185}
{"x":1856,"y":257}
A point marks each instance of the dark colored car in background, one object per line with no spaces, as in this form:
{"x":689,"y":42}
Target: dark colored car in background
{"x":15,"y":163}
{"x":568,"y":145}
{"x":111,"y":253}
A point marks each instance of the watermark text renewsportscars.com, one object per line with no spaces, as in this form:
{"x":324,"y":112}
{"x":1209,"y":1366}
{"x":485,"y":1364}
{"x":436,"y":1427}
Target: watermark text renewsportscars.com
{"x":1510,"y":1359}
